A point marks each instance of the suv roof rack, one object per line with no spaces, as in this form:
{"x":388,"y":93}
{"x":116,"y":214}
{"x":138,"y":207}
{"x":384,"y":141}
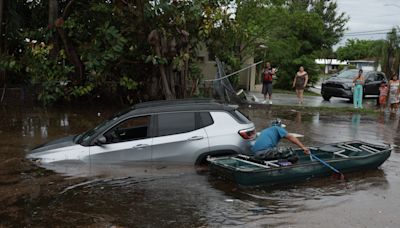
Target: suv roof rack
{"x":175,"y":102}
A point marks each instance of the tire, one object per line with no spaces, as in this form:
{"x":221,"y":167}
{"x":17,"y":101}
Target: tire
{"x":326,"y":97}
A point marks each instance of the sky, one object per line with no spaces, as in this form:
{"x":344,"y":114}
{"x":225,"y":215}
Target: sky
{"x":369,"y":19}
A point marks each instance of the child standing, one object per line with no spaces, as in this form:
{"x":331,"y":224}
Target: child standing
{"x":383,"y":92}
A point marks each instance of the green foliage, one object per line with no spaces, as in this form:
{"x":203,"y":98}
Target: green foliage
{"x":9,"y":63}
{"x":128,"y":83}
{"x":360,"y":49}
{"x":47,"y":75}
{"x":110,"y":39}
{"x":293,"y":33}
{"x":391,"y":53}
{"x":99,"y":56}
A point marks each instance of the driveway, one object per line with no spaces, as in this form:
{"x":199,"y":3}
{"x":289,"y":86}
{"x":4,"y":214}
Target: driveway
{"x":309,"y":101}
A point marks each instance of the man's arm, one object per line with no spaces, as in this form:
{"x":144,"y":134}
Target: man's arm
{"x":294,"y":140}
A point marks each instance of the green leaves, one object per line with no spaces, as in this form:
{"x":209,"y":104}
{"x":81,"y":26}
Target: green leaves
{"x":111,"y":50}
{"x":128,"y":83}
{"x":355,"y":49}
{"x":49,"y":76}
{"x":9,"y":63}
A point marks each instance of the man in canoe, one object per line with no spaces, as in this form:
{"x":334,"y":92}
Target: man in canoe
{"x":266,"y":144}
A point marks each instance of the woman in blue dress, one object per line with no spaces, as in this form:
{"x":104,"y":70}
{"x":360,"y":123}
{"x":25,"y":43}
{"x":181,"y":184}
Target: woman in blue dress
{"x":358,"y":82}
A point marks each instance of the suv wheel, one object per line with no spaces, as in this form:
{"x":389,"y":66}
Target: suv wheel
{"x":326,"y":97}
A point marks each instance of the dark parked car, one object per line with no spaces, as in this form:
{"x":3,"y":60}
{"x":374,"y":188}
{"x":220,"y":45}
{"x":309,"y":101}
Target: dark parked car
{"x":341,"y":84}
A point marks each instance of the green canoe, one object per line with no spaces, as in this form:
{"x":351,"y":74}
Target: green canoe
{"x":345,"y":157}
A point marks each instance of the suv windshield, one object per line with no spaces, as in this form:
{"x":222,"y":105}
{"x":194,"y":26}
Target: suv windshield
{"x":88,"y":134}
{"x":348,"y":74}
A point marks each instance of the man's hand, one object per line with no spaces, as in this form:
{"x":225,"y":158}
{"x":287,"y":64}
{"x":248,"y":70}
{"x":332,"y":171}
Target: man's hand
{"x":306,"y":150}
{"x":294,"y":140}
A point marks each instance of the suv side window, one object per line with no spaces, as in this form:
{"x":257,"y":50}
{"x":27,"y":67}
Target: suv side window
{"x":175,"y":123}
{"x":205,"y":120}
{"x":130,"y":129}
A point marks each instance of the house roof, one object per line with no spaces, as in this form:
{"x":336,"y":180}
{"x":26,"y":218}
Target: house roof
{"x":330,"y":62}
{"x":362,"y":61}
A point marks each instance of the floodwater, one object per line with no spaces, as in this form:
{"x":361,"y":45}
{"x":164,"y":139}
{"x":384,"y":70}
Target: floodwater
{"x":160,"y":195}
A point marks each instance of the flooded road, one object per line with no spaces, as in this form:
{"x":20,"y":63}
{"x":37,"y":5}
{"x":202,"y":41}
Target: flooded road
{"x":159,"y":195}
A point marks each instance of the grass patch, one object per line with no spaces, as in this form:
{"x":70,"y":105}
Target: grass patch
{"x":321,"y":110}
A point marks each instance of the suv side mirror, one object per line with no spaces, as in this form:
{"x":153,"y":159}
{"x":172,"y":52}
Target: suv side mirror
{"x":100,"y":140}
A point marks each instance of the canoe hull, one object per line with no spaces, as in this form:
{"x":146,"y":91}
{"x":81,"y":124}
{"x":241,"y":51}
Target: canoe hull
{"x":232,"y":170}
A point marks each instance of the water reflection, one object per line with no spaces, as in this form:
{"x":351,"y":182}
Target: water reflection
{"x":355,"y":123}
{"x":64,"y":122}
{"x":317,"y":194}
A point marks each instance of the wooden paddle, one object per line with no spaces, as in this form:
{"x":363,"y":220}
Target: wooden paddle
{"x":327,"y":165}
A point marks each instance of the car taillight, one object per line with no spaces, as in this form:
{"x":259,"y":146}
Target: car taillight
{"x":248,"y":133}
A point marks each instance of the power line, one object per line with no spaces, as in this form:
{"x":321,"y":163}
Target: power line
{"x":368,"y":34}
{"x":369,"y":31}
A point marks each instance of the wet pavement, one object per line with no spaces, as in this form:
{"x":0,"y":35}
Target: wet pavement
{"x":161,"y":195}
{"x":311,"y":101}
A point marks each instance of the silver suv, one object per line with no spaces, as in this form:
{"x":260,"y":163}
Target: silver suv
{"x":158,"y":131}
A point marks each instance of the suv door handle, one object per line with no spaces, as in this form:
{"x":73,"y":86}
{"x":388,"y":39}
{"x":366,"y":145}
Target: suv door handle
{"x":195,"y":138}
{"x":140,"y":146}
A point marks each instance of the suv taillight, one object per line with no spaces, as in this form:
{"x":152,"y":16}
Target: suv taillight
{"x":248,"y":133}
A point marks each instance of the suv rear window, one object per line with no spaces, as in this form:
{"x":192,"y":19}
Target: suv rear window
{"x":240,"y":117}
{"x":175,"y":123}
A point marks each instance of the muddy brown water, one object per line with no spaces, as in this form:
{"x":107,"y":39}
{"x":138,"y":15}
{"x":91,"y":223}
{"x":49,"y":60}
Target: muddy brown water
{"x":159,"y":195}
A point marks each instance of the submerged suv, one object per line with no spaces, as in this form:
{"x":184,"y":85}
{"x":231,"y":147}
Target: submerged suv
{"x":341,"y":85}
{"x":172,"y":131}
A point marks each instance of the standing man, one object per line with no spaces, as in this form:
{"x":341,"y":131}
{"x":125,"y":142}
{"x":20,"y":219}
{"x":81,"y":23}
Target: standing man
{"x":267,"y":75}
{"x":266,"y":143}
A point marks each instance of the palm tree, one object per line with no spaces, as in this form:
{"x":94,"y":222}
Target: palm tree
{"x":391,"y":52}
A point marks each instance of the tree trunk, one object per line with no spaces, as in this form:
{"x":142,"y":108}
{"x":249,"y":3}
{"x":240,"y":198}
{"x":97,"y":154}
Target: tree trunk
{"x":2,"y":73}
{"x":53,"y":12}
{"x":172,"y":83}
{"x":1,"y":26}
{"x":72,"y":56}
{"x":156,"y":41}
{"x":70,"y":50}
{"x":164,"y":79}
{"x":186,"y":74}
{"x":53,"y":15}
